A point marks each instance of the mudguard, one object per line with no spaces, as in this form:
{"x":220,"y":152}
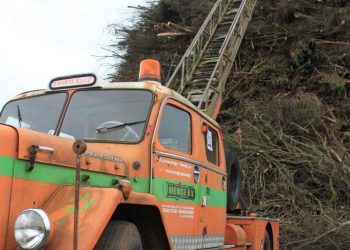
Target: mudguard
{"x":93,"y":216}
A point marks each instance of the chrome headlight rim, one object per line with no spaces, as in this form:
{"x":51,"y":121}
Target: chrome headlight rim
{"x":47,"y":224}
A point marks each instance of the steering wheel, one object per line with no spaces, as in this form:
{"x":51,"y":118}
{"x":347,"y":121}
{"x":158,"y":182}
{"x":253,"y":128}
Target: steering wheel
{"x":131,"y":134}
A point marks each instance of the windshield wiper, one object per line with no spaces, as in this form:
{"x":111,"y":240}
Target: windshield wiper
{"x":112,"y":126}
{"x":19,"y":116}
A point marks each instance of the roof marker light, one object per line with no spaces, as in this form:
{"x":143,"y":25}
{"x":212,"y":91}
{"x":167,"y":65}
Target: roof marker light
{"x":73,"y":81}
{"x":149,"y":71}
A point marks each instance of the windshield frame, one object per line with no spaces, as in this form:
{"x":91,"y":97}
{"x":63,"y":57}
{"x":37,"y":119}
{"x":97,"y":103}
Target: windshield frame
{"x":46,"y":93}
{"x":142,"y":136}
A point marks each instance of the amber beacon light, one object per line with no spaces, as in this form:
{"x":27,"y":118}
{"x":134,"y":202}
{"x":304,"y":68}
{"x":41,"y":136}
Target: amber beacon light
{"x":149,"y":70}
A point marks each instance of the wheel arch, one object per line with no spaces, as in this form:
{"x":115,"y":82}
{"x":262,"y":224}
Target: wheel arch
{"x":148,"y":221}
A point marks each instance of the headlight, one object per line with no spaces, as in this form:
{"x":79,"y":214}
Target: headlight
{"x":32,"y":228}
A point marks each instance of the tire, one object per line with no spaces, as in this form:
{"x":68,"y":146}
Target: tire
{"x":234,"y":180}
{"x":120,"y":235}
{"x":267,"y":241}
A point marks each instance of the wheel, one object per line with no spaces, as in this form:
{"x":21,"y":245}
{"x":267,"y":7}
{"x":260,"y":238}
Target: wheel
{"x":267,"y":241}
{"x":234,"y":175}
{"x":120,"y":235}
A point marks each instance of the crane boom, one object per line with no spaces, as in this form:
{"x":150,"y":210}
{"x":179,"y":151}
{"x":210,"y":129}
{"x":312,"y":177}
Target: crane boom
{"x":203,"y":71}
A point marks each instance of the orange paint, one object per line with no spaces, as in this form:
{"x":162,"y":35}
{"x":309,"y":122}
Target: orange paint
{"x":149,"y":70}
{"x":255,"y":228}
{"x":5,"y":193}
{"x":61,"y":214}
{"x":193,"y":207}
{"x":235,"y":235}
{"x":8,"y":136}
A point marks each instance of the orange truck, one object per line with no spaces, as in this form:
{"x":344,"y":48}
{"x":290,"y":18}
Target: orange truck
{"x":126,"y":165}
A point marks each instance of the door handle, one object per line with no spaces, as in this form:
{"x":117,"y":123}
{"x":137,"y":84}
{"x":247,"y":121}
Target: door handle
{"x":33,"y":150}
{"x":196,"y":174}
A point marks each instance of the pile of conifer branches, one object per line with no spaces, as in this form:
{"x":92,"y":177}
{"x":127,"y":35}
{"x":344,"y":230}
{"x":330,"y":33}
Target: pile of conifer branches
{"x":295,"y":169}
{"x":286,"y":108}
{"x":287,"y":113}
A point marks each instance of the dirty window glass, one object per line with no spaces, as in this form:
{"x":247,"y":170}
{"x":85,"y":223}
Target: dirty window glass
{"x":107,"y":115}
{"x":175,"y":129}
{"x":211,"y":145}
{"x":39,"y":113}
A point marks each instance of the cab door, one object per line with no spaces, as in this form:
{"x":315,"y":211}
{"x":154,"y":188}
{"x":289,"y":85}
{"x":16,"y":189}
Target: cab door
{"x":175,"y":175}
{"x":213,"y":185}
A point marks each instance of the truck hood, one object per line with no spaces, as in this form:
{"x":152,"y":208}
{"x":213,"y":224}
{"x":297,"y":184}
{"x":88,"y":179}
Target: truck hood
{"x":28,"y":181}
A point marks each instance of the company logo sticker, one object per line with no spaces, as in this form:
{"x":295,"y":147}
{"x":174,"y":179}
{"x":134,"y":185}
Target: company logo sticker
{"x":103,"y":157}
{"x":179,"y":191}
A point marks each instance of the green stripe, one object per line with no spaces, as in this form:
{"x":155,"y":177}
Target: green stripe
{"x":61,"y":175}
{"x":215,"y":197}
{"x":6,"y":166}
{"x":65,"y":175}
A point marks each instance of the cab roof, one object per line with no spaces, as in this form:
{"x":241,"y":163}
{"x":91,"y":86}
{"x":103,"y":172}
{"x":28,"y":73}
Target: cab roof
{"x":150,"y":85}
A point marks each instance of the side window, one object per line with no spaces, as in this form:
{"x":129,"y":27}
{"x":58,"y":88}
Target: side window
{"x":211,"y":145}
{"x":175,"y":129}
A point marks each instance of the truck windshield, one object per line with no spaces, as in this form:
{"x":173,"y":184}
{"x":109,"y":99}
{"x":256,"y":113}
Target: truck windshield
{"x":108,"y":115}
{"x":39,"y":113}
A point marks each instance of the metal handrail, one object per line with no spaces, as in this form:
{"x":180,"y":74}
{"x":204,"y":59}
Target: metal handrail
{"x":211,"y":94}
{"x":226,"y":49}
{"x":222,"y":49}
{"x":202,"y":28}
{"x":233,"y":26}
{"x":198,"y":43}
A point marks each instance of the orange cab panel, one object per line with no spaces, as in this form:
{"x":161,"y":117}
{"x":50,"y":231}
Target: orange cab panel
{"x":8,"y":153}
{"x":256,"y":228}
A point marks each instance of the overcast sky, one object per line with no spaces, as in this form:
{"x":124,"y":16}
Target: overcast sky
{"x":43,"y":39}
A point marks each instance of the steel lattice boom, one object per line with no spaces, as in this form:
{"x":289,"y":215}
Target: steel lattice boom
{"x":202,"y":72}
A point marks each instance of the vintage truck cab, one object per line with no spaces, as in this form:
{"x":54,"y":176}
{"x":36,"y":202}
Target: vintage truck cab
{"x":141,"y":132}
{"x":153,"y":175}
